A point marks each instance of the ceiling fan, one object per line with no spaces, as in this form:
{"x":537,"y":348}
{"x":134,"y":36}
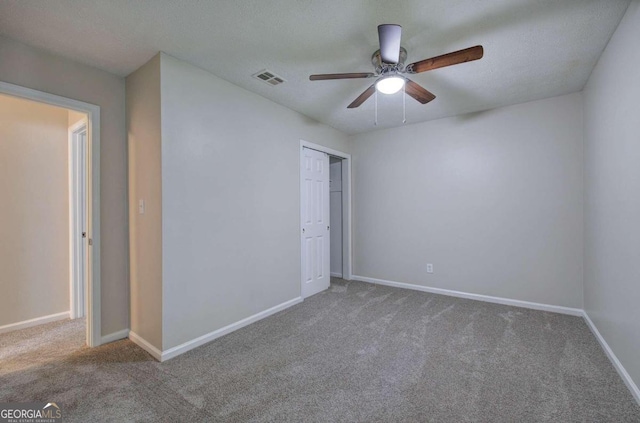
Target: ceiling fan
{"x":390,"y":69}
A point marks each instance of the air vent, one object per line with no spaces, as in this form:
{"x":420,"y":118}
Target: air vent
{"x":269,"y":77}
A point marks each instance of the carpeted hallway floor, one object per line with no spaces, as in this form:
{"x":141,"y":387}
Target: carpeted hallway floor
{"x":357,"y":352}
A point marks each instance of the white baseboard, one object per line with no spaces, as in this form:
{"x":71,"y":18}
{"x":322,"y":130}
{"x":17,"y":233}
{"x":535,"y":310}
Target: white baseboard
{"x":336,"y":274}
{"x":115,"y":336}
{"x":614,"y":360}
{"x":145,"y":345}
{"x":201,"y":340}
{"x":34,"y":322}
{"x":478,"y":297}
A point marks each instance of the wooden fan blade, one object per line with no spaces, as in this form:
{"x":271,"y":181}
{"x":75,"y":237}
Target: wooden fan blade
{"x":325,"y":76}
{"x":460,"y":56}
{"x":362,"y":97}
{"x":417,"y":92}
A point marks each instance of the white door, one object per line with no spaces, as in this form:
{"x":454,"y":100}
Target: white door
{"x":79,"y":221}
{"x":314,"y":194}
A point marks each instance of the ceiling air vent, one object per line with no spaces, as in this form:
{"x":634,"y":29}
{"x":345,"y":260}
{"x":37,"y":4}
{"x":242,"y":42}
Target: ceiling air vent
{"x":269,"y":77}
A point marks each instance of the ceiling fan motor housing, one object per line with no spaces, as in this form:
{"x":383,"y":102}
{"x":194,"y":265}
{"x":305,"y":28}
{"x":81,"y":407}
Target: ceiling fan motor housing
{"x":382,"y":68}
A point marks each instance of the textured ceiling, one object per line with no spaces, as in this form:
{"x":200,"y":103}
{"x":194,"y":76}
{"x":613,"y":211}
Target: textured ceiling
{"x":533,"y":48}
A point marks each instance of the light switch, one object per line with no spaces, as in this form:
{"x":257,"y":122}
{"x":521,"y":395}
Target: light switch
{"x":141,"y":206}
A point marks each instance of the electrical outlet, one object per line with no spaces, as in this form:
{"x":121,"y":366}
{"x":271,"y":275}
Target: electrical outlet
{"x":429,"y":268}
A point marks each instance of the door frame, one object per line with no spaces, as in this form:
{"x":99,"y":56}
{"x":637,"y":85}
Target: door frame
{"x":342,"y":200}
{"x":346,"y":206}
{"x":77,"y":166}
{"x":93,"y":333}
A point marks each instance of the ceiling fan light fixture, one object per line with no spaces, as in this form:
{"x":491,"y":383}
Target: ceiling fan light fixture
{"x":390,"y":84}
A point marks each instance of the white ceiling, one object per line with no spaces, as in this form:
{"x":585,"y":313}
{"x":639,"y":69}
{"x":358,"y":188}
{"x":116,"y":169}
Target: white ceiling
{"x":533,"y":48}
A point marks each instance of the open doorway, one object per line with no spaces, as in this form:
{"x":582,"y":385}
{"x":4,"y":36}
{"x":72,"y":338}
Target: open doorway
{"x":49,"y":263}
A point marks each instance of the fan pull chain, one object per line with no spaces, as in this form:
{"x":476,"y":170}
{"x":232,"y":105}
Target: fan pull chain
{"x":375,"y":122}
{"x":404,"y":109}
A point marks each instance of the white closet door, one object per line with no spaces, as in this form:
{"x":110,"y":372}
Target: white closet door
{"x":314,"y":192}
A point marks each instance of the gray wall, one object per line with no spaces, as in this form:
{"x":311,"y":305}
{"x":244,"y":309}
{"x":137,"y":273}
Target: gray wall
{"x":34,"y":205}
{"x":492,"y":199}
{"x":145,"y":230}
{"x":612,"y":193}
{"x":32,"y":68}
{"x":230,"y":201}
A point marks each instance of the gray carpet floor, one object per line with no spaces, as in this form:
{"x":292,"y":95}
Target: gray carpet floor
{"x":356,"y":352}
